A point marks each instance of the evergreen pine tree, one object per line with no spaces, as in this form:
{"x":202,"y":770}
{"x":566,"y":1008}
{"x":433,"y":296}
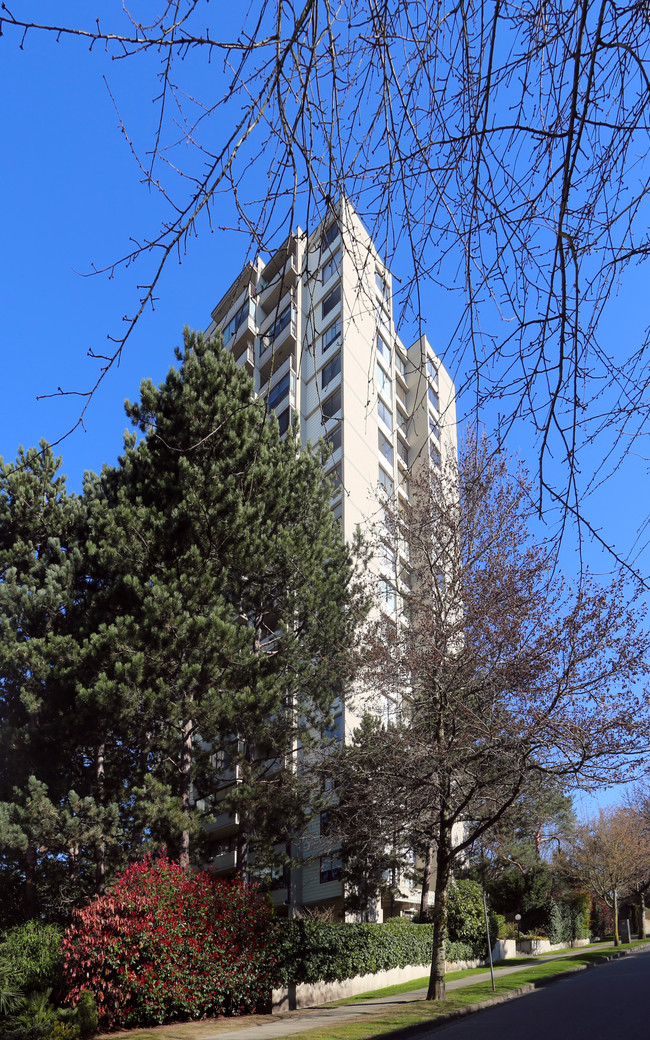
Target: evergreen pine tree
{"x":238,"y":605}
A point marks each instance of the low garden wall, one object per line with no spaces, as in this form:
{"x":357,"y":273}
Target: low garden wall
{"x":307,"y":994}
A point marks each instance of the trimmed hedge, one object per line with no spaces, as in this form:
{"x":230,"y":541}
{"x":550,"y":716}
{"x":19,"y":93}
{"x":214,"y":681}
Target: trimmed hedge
{"x":311,"y":951}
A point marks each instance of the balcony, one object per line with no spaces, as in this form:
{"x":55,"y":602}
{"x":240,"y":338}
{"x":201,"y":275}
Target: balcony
{"x":223,"y":824}
{"x":276,"y":285}
{"x":247,"y":359}
{"x":278,"y":373}
{"x":225,"y":863}
{"x":242,"y":338}
{"x":277,"y":344}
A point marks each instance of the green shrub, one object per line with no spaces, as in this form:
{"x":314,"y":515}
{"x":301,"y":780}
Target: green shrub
{"x":466,"y":919}
{"x":32,"y":953}
{"x":311,"y":951}
{"x":86,"y":1014}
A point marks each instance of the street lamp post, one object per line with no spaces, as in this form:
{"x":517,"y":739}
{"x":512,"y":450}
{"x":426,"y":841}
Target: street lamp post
{"x":517,"y":919}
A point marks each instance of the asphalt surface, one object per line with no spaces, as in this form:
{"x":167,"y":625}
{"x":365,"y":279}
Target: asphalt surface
{"x":610,"y":1003}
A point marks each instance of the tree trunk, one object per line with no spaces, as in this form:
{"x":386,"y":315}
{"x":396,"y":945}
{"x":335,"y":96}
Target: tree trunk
{"x":426,"y":880}
{"x":100,"y":847}
{"x":436,"y":989}
{"x":641,"y":914}
{"x":242,"y":855}
{"x":617,"y":941}
{"x":31,"y":900}
{"x":186,"y":793}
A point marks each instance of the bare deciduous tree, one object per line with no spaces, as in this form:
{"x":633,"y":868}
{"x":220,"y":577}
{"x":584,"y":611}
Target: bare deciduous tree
{"x":503,"y":672}
{"x":611,"y":857}
{"x":495,"y":150}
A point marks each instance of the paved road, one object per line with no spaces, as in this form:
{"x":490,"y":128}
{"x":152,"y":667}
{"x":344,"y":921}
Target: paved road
{"x":608,"y":1003}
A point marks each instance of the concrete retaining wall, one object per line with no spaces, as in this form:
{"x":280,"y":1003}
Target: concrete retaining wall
{"x":307,"y":994}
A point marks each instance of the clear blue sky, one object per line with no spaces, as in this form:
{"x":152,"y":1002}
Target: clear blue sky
{"x":71,"y":197}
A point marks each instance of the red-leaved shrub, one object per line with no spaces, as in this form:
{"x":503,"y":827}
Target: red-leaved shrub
{"x":165,"y":945}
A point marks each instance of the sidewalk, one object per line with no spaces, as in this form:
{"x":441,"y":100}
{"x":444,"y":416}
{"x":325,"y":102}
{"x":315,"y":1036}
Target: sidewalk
{"x":271,"y":1027}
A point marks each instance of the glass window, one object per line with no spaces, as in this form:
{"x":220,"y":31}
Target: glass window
{"x":325,"y":824}
{"x":330,"y":235}
{"x":402,"y":421}
{"x":385,"y":447}
{"x":401,"y":393}
{"x":331,"y":335}
{"x":337,"y":513}
{"x":402,"y":451}
{"x":386,"y":481}
{"x":331,"y":301}
{"x":332,"y":266}
{"x":400,"y":364}
{"x":278,"y":393}
{"x":383,"y":350}
{"x":334,"y":729}
{"x":383,"y":382}
{"x":432,"y":370}
{"x":435,"y":454}
{"x":382,"y":285}
{"x":387,"y":594}
{"x":276,"y":328}
{"x":333,"y":439}
{"x":336,"y":476}
{"x":433,"y":427}
{"x":382,"y":318}
{"x":239,"y":319}
{"x":385,"y":414}
{"x":283,"y":420}
{"x":332,"y":406}
{"x":331,"y":370}
{"x":330,"y":869}
{"x":433,"y":399}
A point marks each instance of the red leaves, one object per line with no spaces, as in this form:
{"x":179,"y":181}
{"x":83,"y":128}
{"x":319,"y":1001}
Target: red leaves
{"x":164,"y":945}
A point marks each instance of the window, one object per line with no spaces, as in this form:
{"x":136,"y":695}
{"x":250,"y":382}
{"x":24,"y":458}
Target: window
{"x":331,"y":370}
{"x":325,"y":824}
{"x":279,"y":392}
{"x":334,"y":730}
{"x":402,"y":451}
{"x":385,"y":414}
{"x":433,"y":399}
{"x":386,"y":481}
{"x":332,"y":406}
{"x":332,"y":266}
{"x":336,"y":476}
{"x":329,"y":235}
{"x":435,"y":454}
{"x":331,"y":335}
{"x":433,"y":427}
{"x":387,"y":594}
{"x":275,"y":329}
{"x":381,"y":283}
{"x":432,"y":370}
{"x":383,"y":382}
{"x":383,"y":350}
{"x":239,"y":319}
{"x":400,"y":364}
{"x":330,"y":869}
{"x":382,"y":318}
{"x":333,"y":439}
{"x":283,"y":420}
{"x":331,"y":301}
{"x":401,"y":393}
{"x":402,"y":421}
{"x":337,"y":513}
{"x":385,"y":447}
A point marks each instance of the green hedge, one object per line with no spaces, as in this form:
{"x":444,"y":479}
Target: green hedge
{"x":311,"y":951}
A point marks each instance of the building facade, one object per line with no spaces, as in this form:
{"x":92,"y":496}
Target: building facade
{"x":314,"y":328}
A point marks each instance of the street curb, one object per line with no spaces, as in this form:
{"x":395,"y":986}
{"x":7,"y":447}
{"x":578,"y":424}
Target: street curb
{"x":422,"y":1028}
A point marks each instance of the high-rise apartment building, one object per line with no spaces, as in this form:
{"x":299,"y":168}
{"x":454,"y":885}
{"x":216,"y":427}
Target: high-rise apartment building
{"x":314,"y":328}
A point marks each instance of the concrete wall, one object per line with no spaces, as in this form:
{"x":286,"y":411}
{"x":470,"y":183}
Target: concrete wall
{"x":309,"y":994}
